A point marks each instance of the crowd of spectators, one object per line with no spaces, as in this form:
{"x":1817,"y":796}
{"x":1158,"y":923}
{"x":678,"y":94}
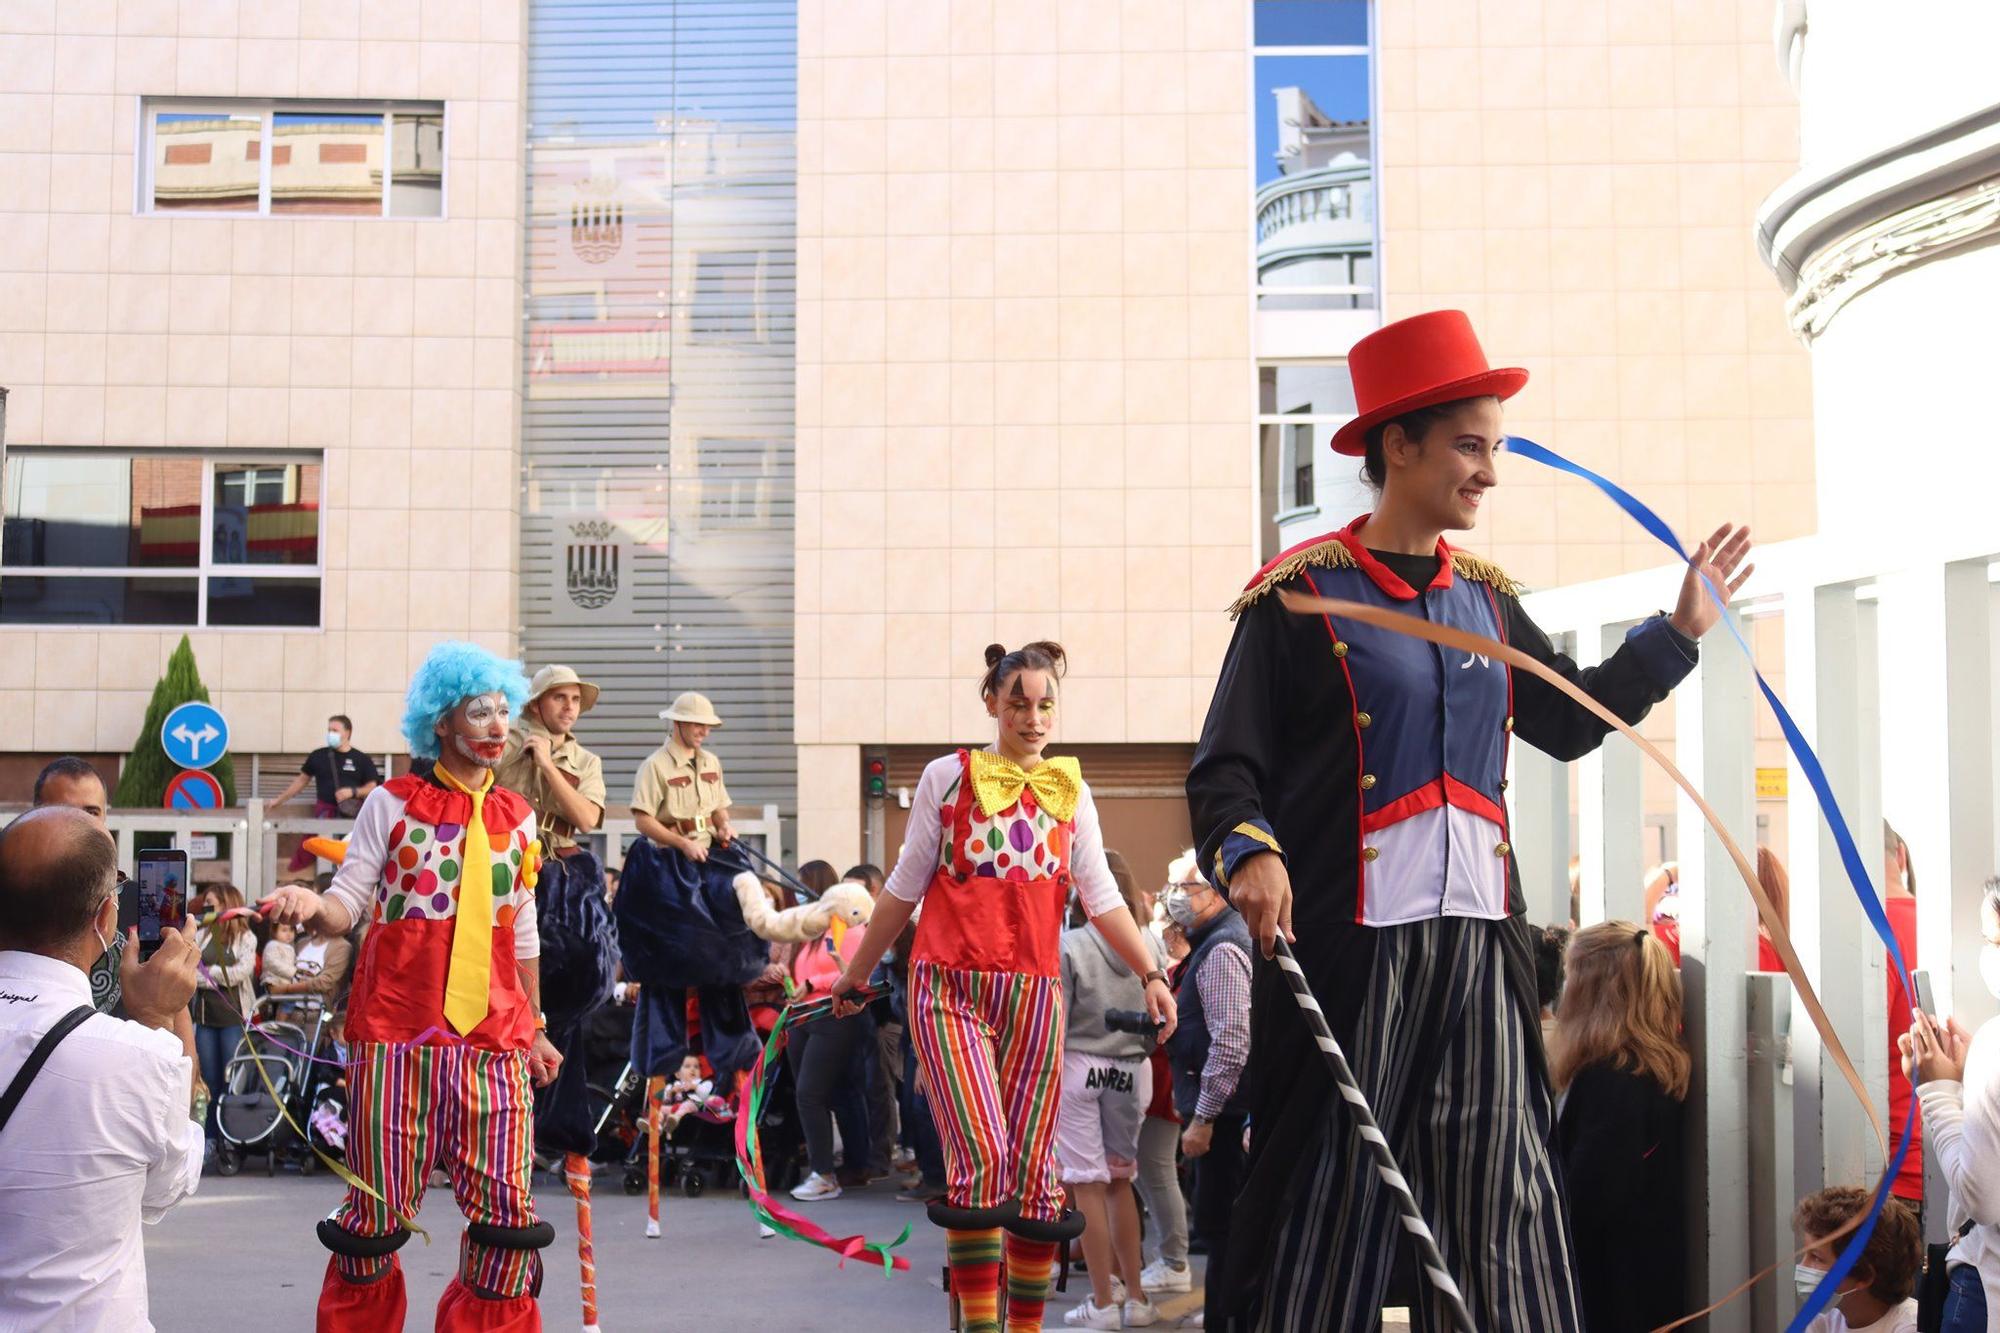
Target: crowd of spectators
{"x":1151,"y":1138}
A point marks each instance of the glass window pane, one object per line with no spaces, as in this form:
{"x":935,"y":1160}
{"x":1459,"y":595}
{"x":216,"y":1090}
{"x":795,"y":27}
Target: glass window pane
{"x":1312,"y":22}
{"x":102,"y":510}
{"x":725,"y":296}
{"x":265,"y":514}
{"x":282,"y":602}
{"x":40,"y":599}
{"x":326,"y":163}
{"x":206,"y":161}
{"x":1315,"y":202}
{"x":416,"y":164}
{"x":1309,"y":390}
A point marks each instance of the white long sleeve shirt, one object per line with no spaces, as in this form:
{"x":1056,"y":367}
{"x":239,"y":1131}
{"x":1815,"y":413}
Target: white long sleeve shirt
{"x":101,"y":1142}
{"x":917,"y":864}
{"x":1962,"y":1127}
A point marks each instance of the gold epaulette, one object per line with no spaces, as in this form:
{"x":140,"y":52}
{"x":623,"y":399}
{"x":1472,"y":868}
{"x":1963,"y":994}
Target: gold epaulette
{"x":1469,"y":566}
{"x":1329,"y":554}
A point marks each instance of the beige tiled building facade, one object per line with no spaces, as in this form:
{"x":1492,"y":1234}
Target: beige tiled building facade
{"x":1028,"y":339}
{"x":381,"y":352}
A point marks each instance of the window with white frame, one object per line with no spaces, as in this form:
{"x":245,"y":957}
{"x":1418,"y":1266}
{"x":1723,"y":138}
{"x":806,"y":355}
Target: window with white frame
{"x":293,"y":159}
{"x":1314,"y":155}
{"x":1299,"y":406}
{"x":107,"y":537}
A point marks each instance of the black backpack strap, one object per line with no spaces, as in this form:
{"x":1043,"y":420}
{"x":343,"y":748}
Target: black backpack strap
{"x":38,"y":1057}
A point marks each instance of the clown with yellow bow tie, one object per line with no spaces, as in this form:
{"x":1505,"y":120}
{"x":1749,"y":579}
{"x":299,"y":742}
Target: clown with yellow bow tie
{"x":443,"y":1021}
{"x":996,"y":840}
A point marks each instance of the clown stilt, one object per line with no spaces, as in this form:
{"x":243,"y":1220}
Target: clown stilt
{"x":995,"y":842}
{"x":443,"y":1019}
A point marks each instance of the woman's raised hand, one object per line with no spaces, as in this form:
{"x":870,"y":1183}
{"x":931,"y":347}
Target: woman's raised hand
{"x":1720,"y":561}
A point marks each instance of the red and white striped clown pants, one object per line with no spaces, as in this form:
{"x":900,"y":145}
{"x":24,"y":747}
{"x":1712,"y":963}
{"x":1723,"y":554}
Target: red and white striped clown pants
{"x":990,"y":1047}
{"x":469,"y":1111}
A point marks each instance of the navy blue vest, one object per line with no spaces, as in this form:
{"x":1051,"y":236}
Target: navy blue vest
{"x":1187,"y":1049}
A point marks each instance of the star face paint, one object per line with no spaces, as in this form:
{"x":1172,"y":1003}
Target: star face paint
{"x":477,"y":729}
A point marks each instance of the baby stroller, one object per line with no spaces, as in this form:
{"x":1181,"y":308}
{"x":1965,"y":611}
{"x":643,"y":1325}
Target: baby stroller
{"x":283,"y":1033}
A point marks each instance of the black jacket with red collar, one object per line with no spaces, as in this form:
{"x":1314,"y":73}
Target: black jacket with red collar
{"x":1372,"y":763}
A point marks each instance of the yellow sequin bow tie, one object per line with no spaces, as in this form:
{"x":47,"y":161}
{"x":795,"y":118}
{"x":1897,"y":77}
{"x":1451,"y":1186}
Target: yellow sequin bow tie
{"x":997,"y":782}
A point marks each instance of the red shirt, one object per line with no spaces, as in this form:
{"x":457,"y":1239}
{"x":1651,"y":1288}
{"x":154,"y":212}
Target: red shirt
{"x":1902,"y":913}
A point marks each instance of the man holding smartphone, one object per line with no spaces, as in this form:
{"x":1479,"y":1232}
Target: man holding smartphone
{"x":99,"y":1124}
{"x":444,"y":1018}
{"x":68,"y":780}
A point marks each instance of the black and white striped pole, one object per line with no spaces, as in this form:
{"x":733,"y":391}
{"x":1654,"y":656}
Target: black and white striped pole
{"x":1385,"y":1161}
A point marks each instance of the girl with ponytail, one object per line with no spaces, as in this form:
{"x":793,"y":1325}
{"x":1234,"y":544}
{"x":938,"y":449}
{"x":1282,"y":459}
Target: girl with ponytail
{"x":1623,"y":1066}
{"x":996,"y":839}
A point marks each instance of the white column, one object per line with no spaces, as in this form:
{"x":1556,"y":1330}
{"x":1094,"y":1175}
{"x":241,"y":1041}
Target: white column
{"x":1937,"y":769}
{"x":1609,"y":809}
{"x":1827,"y":651}
{"x":1539,"y":788}
{"x":1773,"y":1190}
{"x":830,"y":804}
{"x":1717,"y":750}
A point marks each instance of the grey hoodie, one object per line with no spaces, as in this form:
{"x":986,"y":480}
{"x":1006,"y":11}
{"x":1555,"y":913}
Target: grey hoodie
{"x":1095,"y":979}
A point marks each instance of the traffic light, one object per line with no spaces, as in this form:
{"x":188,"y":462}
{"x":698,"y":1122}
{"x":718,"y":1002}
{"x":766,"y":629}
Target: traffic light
{"x":877,"y":778}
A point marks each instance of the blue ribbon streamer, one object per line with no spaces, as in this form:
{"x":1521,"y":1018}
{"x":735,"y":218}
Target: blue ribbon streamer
{"x":1850,"y":855}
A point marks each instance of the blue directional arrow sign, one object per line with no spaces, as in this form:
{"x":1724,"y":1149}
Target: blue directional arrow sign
{"x":194,"y":735}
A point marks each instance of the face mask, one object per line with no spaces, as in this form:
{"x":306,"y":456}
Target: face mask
{"x":1808,"y":1278}
{"x":101,"y":940}
{"x":333,"y":739}
{"x":1989,"y":967}
{"x":1180,"y":909}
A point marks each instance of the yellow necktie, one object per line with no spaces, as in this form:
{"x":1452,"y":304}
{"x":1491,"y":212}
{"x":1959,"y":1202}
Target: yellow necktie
{"x":997,"y":782}
{"x":468,"y":985}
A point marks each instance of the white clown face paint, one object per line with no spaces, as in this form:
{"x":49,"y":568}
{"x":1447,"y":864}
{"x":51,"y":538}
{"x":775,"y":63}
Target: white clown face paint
{"x":477,"y":729}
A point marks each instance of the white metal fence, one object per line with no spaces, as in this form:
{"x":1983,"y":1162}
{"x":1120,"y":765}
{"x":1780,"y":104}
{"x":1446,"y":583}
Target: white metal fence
{"x":249,"y":837}
{"x":1889,"y":669}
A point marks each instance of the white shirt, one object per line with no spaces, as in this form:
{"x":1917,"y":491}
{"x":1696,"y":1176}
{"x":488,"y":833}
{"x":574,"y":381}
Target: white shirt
{"x":1962,"y":1129}
{"x":1899,"y":1319}
{"x":917,"y":864}
{"x":100,"y":1142}
{"x":359,"y":878}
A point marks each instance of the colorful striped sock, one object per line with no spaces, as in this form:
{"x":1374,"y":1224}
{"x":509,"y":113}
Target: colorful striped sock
{"x":974,"y":1257}
{"x":1029,"y":1263}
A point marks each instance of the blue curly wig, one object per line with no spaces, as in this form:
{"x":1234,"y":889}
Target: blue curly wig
{"x":454,"y":672}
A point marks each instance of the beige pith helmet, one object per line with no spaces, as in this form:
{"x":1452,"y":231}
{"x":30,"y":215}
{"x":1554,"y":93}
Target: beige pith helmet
{"x":692,"y":707}
{"x":549,"y":677}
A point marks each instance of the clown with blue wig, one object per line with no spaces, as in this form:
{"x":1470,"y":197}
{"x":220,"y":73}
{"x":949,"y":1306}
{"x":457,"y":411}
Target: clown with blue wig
{"x":444,"y":1022}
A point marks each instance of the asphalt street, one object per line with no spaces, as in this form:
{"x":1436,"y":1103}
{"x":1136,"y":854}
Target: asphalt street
{"x":241,"y":1256}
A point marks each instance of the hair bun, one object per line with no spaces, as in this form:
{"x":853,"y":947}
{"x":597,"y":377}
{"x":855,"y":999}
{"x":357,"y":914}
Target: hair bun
{"x":994,"y":652}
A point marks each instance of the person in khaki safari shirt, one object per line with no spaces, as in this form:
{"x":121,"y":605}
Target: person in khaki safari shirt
{"x":679,"y":800}
{"x":564,"y":783}
{"x":679,"y":930}
{"x":562,"y":780}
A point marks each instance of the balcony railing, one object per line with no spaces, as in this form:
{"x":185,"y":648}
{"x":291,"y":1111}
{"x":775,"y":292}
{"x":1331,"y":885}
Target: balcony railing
{"x":1334,"y":194}
{"x":1889,"y":670}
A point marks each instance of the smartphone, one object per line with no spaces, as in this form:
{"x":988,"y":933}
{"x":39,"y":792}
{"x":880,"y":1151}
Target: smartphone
{"x":1921,"y":979}
{"x":161,"y":897}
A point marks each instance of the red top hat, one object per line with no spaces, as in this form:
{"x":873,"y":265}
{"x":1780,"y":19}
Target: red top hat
{"x":1417,"y":362}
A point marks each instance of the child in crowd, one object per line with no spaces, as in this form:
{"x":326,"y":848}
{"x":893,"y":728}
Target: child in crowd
{"x":281,"y":960}
{"x":690,"y":1092}
{"x":1876,"y":1294}
{"x":1619,"y":1059}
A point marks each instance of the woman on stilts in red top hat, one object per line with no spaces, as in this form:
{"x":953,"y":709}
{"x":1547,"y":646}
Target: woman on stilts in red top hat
{"x":1348,"y":790}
